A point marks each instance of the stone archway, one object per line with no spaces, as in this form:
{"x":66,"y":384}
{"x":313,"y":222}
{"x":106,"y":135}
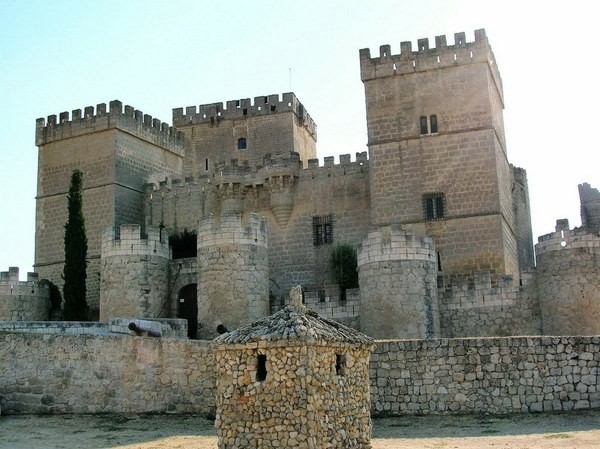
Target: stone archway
{"x":187,"y":307}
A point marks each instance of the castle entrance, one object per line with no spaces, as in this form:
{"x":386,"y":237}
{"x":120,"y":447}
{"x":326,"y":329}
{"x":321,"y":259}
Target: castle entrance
{"x":188,"y":307}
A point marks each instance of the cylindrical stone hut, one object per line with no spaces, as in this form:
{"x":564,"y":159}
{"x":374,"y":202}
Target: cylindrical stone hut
{"x":397,"y":274}
{"x":134,"y":276}
{"x":293,"y":380}
{"x":233,"y":272}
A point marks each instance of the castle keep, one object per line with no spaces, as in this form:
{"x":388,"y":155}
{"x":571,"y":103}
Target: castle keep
{"x":438,"y":215}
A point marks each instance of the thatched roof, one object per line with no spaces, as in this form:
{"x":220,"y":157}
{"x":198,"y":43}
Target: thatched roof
{"x":296,"y":324}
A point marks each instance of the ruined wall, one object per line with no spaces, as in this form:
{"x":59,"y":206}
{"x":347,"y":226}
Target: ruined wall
{"x":233,"y":272}
{"x":464,"y":161}
{"x":104,"y":374}
{"x":23,"y":300}
{"x":483,"y":310}
{"x":568,"y":277}
{"x":270,"y":125}
{"x":135,"y":273}
{"x":397,"y":276}
{"x":116,"y":149}
{"x":485,"y":375}
{"x":590,"y":207}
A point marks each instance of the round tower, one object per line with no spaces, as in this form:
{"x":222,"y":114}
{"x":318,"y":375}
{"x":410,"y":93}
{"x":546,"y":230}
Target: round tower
{"x":397,"y":274}
{"x":568,"y":279}
{"x":134,"y":276}
{"x":233,"y":272}
{"x":23,"y":300}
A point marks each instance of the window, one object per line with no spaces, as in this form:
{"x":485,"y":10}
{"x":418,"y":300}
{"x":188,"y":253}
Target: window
{"x":433,"y":206}
{"x":428,"y":125}
{"x":424,"y":128}
{"x":433,"y":123}
{"x":242,"y":143}
{"x":340,"y":364}
{"x":261,"y":367}
{"x":322,"y":230}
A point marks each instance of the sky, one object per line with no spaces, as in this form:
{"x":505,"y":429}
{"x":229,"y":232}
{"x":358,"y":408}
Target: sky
{"x":159,"y":55}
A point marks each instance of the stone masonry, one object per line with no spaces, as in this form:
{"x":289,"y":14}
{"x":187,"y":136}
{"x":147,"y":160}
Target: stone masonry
{"x":23,"y":300}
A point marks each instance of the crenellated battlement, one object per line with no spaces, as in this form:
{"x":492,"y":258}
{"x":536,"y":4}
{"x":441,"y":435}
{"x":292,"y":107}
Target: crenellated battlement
{"x":23,"y":300}
{"x":270,"y":104}
{"x":392,"y":243}
{"x":232,"y":228}
{"x":565,"y":239}
{"x":128,"y":240}
{"x":426,"y":58}
{"x":128,"y":119}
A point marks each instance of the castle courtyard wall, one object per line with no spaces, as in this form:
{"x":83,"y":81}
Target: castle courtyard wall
{"x":124,"y":374}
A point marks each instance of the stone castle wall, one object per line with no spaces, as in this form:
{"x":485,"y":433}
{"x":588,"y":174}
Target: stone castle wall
{"x":397,"y":274}
{"x":590,"y":207}
{"x":23,"y":300}
{"x":568,"y":279}
{"x":135,"y":273}
{"x":124,"y":374}
{"x":483,"y":310}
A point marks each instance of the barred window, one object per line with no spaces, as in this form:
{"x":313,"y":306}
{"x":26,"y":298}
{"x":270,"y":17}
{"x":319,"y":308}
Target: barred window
{"x":424,"y":126}
{"x":322,"y":230}
{"x":433,"y":206}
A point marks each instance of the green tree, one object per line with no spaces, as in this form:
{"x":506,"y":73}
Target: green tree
{"x":74,"y":274}
{"x":343,"y":264}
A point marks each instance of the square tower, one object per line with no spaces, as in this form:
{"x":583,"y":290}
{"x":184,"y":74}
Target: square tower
{"x":437,"y":151}
{"x":116,"y":150}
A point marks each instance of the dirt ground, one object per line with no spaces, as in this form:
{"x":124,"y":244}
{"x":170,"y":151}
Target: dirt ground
{"x":565,"y":430}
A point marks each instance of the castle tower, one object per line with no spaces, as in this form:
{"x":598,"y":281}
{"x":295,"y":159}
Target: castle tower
{"x":244,"y":132}
{"x":398,"y":288}
{"x":437,"y":151}
{"x":23,"y":300}
{"x":134,"y":276}
{"x":116,"y":150}
{"x":568,"y":279}
{"x":233,"y":272}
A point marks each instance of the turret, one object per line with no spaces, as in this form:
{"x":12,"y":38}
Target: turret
{"x":23,"y":300}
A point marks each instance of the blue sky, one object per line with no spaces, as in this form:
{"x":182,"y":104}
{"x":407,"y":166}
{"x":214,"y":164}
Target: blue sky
{"x":155,"y":56}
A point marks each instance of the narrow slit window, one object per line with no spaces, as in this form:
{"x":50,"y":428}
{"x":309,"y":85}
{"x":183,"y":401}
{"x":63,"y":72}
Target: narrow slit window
{"x":434,"y":124}
{"x":340,"y":364}
{"x":424,"y":127}
{"x":261,"y":368}
{"x":206,"y":164}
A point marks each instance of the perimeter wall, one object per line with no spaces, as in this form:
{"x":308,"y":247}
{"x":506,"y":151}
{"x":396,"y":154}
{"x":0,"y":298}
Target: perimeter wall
{"x":125,"y":374}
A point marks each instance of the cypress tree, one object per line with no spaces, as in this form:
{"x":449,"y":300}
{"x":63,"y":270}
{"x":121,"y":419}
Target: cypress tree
{"x":74,"y":274}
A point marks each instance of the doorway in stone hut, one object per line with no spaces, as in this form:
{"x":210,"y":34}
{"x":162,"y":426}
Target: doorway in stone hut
{"x":188,"y":307}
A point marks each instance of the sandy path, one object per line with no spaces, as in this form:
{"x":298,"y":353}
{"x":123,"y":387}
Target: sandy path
{"x":568,"y":430}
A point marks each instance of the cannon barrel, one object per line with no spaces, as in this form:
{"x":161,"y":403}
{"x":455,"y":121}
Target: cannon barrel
{"x":142,"y":330}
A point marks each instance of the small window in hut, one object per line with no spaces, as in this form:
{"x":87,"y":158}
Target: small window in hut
{"x":340,"y":364}
{"x":261,"y":367}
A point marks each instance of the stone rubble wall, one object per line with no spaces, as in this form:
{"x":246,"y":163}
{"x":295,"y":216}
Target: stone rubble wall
{"x":300,"y":402}
{"x":121,"y":374}
{"x":485,"y":375}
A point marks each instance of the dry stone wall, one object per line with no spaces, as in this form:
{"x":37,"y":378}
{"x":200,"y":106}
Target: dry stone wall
{"x":485,"y":375}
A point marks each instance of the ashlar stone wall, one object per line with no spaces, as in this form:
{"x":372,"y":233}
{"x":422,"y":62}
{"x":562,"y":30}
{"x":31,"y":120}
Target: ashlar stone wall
{"x":27,"y":300}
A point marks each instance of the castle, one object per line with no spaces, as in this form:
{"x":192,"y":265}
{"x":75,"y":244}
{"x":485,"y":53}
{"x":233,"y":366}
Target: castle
{"x":439,"y":216}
